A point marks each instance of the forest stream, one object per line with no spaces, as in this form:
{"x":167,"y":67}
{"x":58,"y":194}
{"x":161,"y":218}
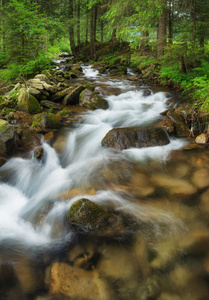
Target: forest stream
{"x":163,"y":190}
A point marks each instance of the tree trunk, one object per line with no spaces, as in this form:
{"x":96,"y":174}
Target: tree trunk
{"x":145,"y":38}
{"x":170,"y":27}
{"x":113,"y":38}
{"x":92,"y":35}
{"x":3,"y":32}
{"x":78,"y":23}
{"x":194,"y":24}
{"x":102,"y":31}
{"x":71,"y":29}
{"x":161,"y":33}
{"x":95,"y":22}
{"x":87,"y":24}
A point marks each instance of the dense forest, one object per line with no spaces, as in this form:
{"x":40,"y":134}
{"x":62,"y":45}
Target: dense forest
{"x":170,"y":37}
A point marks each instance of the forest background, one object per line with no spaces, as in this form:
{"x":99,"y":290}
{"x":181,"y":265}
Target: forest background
{"x":170,"y":38}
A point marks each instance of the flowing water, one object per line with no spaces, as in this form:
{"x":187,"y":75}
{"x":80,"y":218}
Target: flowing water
{"x":165,"y":188}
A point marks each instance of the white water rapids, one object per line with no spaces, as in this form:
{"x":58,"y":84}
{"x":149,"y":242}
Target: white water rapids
{"x":29,"y":185}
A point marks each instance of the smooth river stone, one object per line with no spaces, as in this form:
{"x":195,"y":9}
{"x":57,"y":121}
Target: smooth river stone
{"x":76,"y":283}
{"x":200,"y":178}
{"x":175,"y":186}
{"x":204,"y":202}
{"x":141,"y":186}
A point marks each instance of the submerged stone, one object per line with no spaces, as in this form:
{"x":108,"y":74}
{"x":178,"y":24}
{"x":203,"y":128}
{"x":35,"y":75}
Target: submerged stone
{"x":76,"y":283}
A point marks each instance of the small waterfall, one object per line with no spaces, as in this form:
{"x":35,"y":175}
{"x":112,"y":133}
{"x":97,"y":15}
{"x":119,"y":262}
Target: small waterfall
{"x":31,"y":188}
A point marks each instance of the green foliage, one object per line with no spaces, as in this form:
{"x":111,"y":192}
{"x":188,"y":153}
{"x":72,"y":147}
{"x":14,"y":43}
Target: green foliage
{"x":29,"y":67}
{"x":195,"y":83}
{"x":64,"y":45}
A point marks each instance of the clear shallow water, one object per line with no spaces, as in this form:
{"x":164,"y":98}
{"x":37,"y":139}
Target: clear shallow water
{"x":36,"y":196}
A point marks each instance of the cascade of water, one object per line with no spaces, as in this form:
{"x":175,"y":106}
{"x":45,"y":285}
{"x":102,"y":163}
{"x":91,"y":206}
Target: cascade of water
{"x":33,"y":185}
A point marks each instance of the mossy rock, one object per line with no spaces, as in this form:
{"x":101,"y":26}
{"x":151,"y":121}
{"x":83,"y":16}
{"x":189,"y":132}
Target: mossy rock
{"x":70,"y":75}
{"x":94,"y":218}
{"x":60,"y":95}
{"x":102,"y":70}
{"x":28,"y":103}
{"x":48,"y":120}
{"x":65,"y":112}
{"x":50,"y":104}
{"x":119,"y":71}
{"x":72,"y":97}
{"x":92,"y":101}
{"x":8,"y":138}
{"x":76,"y":68}
{"x":89,"y":86}
{"x":6,"y":111}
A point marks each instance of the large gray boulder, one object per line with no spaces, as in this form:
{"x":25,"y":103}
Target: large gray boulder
{"x":125,"y":138}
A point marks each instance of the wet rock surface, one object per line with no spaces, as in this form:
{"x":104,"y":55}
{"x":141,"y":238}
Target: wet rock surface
{"x":8,"y":138}
{"x":96,"y":219}
{"x":125,"y":138}
{"x":92,"y":101}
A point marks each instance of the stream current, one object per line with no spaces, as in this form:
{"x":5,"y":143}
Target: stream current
{"x":165,"y":188}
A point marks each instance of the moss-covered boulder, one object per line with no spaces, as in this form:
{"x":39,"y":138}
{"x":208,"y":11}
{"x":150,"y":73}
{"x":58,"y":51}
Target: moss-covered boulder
{"x":94,"y":218}
{"x":47,"y":120}
{"x":57,"y":97}
{"x":125,"y":138}
{"x":50,"y":104}
{"x":72,"y":96}
{"x":119,"y":71}
{"x":28,"y":103}
{"x":76,"y":67}
{"x":92,"y":101}
{"x":89,"y":86}
{"x":69,"y":75}
{"x":8,"y":138}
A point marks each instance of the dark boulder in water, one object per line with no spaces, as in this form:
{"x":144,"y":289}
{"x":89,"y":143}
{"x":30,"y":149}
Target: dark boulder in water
{"x":125,"y":138}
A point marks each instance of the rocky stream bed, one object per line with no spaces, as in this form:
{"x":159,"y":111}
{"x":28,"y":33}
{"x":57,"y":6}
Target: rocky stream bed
{"x":104,"y":193}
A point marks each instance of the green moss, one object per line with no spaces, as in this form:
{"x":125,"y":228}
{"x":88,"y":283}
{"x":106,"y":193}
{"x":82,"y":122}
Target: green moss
{"x":89,"y":86}
{"x":65,"y":112}
{"x":92,"y":105}
{"x":3,"y":124}
{"x":87,"y":213}
{"x":35,"y":124}
{"x":33,"y":106}
{"x":6,"y":111}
